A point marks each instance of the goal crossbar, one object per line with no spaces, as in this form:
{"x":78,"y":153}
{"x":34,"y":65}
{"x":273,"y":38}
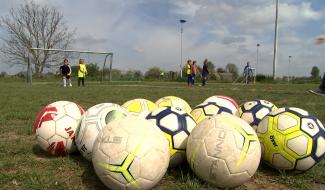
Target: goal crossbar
{"x":78,"y":51}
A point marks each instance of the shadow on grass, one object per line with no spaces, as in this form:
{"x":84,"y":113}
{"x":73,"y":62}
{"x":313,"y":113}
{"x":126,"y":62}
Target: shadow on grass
{"x":88,"y":176}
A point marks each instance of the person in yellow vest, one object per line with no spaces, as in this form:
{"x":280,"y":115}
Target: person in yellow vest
{"x":82,"y":72}
{"x":189,"y":72}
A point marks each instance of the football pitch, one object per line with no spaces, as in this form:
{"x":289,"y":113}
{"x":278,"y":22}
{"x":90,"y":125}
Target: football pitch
{"x":23,"y":165}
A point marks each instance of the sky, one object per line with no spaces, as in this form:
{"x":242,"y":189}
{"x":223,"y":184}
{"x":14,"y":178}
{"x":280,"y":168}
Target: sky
{"x":146,"y":33}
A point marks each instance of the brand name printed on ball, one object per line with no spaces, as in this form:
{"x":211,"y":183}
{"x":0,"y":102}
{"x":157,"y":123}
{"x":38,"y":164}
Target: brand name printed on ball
{"x":272,"y":138}
{"x":114,"y":139}
{"x":220,"y":140}
{"x":70,"y":132}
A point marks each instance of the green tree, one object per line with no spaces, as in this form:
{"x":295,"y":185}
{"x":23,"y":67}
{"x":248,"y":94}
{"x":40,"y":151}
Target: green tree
{"x":211,"y":67}
{"x":315,"y":72}
{"x":153,"y":73}
{"x":232,"y":68}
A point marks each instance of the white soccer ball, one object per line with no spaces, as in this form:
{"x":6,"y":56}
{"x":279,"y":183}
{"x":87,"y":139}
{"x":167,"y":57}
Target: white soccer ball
{"x":223,"y":101}
{"x":55,"y":127}
{"x":94,"y":120}
{"x":223,"y":150}
{"x":176,"y":126}
{"x":130,"y":153}
{"x":173,"y":101}
{"x":139,"y":105}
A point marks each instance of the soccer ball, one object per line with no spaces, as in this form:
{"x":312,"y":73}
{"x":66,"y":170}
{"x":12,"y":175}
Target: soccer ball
{"x":254,"y":111}
{"x":176,"y":126}
{"x":223,"y":150}
{"x":291,"y":139}
{"x":130,"y":153}
{"x":136,"y":106}
{"x":55,"y":127}
{"x":174,"y":101}
{"x":224,"y":101}
{"x":208,"y":109}
{"x":94,"y":120}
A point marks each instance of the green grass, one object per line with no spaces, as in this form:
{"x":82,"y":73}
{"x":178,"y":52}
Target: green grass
{"x":23,"y":165}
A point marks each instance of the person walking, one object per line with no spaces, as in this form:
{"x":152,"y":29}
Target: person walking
{"x":193,"y":71}
{"x":82,"y":72}
{"x":205,"y":72}
{"x":188,"y":72}
{"x":66,"y":73}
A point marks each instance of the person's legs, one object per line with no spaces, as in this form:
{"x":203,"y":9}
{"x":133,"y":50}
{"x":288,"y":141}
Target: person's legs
{"x":79,"y":79}
{"x":69,"y":81}
{"x":189,"y":80}
{"x":83,"y":81}
{"x":64,"y":82}
{"x":203,"y":81}
{"x":193,"y":79}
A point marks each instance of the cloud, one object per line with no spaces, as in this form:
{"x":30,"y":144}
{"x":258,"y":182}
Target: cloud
{"x":186,"y":8}
{"x":90,"y":40}
{"x":233,"y":39}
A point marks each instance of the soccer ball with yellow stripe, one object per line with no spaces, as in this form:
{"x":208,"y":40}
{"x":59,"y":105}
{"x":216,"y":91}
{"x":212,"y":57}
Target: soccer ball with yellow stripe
{"x":223,"y":150}
{"x":130,"y":153}
{"x":291,"y":139}
{"x":176,"y":126}
{"x":139,"y":105}
{"x":173,"y":101}
{"x":254,"y":111}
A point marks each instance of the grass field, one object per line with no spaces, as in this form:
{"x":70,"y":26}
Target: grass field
{"x":23,"y":165}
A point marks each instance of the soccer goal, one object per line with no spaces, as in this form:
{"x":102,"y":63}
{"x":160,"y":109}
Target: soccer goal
{"x":102,"y":60}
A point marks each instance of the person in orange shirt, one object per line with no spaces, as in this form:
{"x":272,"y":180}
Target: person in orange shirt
{"x":193,"y":71}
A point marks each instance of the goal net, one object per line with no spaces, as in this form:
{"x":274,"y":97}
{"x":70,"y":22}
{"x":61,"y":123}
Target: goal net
{"x":99,"y":64}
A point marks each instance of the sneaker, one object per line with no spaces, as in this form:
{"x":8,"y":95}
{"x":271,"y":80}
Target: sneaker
{"x":70,"y":85}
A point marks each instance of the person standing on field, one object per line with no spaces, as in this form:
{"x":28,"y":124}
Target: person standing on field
{"x":321,"y":89}
{"x":189,"y":73}
{"x":66,"y":73}
{"x":205,"y":72}
{"x":82,"y":72}
{"x":193,"y":72}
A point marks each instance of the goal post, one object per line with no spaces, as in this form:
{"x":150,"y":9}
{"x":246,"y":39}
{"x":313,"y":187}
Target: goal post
{"x":108,"y":57}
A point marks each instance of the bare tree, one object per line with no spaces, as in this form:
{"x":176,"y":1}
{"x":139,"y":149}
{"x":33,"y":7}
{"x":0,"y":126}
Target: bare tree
{"x":33,"y":25}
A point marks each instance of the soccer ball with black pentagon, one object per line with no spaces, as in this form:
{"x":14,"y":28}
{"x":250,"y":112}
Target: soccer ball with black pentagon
{"x":208,"y":109}
{"x":93,"y":121}
{"x":130,"y":153}
{"x":223,"y":150}
{"x":55,"y":127}
{"x":254,"y":111}
{"x":176,"y":126}
{"x":291,"y":139}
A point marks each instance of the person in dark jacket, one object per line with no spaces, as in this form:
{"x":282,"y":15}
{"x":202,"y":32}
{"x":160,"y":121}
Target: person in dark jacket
{"x":205,"y":72}
{"x":66,"y":73}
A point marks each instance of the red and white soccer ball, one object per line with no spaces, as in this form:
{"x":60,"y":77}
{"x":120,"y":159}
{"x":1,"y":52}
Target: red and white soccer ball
{"x":55,"y":127}
{"x":224,"y":101}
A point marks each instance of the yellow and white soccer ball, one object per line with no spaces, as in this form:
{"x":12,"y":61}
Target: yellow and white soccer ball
{"x":224,"y":151}
{"x":174,"y":101}
{"x":139,"y":105}
{"x":291,"y":139}
{"x":130,"y":153}
{"x":55,"y":127}
{"x":93,"y":121}
{"x":176,"y":126}
{"x":254,"y":111}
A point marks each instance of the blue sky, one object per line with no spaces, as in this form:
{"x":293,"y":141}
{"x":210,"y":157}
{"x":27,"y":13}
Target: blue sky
{"x":143,"y":33}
